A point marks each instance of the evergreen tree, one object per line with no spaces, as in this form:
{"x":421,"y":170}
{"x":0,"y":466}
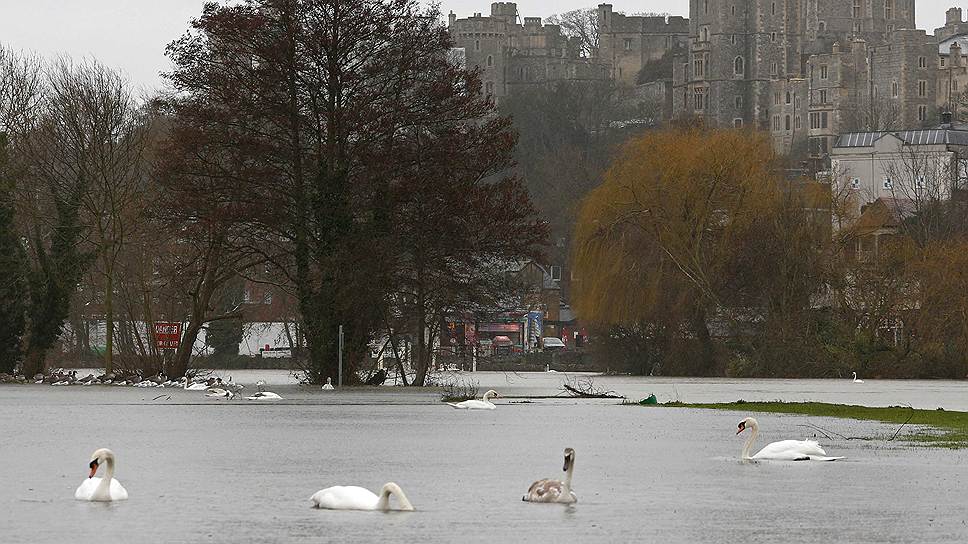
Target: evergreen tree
{"x":13,"y":286}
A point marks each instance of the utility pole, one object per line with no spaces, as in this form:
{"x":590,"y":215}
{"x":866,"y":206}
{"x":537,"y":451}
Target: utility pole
{"x":340,"y":381}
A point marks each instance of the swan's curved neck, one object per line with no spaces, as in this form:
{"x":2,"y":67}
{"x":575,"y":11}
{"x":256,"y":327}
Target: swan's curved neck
{"x":104,"y":488}
{"x":571,"y":469}
{"x":754,"y":430}
{"x":384,"y":502}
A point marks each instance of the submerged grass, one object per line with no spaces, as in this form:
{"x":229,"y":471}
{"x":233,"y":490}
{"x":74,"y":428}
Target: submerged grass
{"x":950,"y":429}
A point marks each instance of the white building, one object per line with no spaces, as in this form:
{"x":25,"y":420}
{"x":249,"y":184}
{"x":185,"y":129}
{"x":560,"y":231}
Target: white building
{"x":914,"y":166}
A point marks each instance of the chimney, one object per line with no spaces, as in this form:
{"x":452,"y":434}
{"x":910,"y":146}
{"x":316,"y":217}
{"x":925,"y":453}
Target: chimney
{"x":952,"y":16}
{"x":954,"y":54}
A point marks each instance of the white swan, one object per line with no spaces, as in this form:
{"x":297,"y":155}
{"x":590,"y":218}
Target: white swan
{"x":555,"y":490}
{"x":218,"y":392}
{"x":856,"y":380}
{"x":483,"y":404}
{"x":785,"y":450}
{"x":351,"y":497}
{"x":101,"y":489}
{"x":328,"y":386}
{"x":264,"y":395}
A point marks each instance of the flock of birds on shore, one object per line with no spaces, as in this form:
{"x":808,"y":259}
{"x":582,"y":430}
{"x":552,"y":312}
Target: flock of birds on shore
{"x":214,"y":387}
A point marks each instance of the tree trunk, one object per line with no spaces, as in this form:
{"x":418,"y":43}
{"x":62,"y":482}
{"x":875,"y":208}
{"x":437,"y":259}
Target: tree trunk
{"x":109,"y":324}
{"x":34,"y":362}
{"x":183,"y":355}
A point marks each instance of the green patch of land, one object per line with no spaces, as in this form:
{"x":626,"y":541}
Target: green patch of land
{"x":938,"y":428}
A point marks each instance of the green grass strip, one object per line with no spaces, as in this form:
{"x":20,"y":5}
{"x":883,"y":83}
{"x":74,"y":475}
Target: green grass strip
{"x":950,"y":429}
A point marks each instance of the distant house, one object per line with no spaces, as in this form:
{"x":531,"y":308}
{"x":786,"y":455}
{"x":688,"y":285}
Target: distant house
{"x":913,"y":165}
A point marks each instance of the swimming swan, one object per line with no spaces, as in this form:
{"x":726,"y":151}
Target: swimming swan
{"x":101,"y":489}
{"x":351,"y":497}
{"x":785,"y":450}
{"x":856,"y":380}
{"x":555,"y":490}
{"x":264,"y":395}
{"x":483,"y":404}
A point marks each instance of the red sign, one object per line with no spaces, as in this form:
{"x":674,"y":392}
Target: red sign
{"x":167,"y":334}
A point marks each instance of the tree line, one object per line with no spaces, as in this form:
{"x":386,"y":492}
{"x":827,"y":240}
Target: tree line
{"x":332,"y":150}
{"x":697,"y":256}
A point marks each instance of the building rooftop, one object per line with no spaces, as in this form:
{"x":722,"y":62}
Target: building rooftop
{"x":935,"y":136}
{"x":944,"y":46}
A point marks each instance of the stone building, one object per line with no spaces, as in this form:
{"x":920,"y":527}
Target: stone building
{"x":738,"y":48}
{"x":513,"y":54}
{"x":629,"y":42}
{"x":952,"y":80}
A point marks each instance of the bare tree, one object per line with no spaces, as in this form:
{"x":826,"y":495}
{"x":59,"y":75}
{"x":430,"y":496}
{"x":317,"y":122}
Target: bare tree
{"x":92,"y":140}
{"x":581,"y":24}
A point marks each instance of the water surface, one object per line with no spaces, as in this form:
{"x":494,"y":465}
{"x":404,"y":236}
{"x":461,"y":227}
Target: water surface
{"x":202,"y":470}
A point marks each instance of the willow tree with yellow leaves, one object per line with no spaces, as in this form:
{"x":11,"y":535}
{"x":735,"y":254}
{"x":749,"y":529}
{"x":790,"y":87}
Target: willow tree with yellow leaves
{"x":672,"y":248}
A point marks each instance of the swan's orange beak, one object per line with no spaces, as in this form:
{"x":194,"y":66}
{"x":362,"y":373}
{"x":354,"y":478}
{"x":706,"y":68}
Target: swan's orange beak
{"x":93,"y":468}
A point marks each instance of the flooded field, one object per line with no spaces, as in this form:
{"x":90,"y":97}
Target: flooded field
{"x":204,"y":470}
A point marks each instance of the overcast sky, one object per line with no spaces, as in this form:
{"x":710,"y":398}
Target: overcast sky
{"x":131,"y":34}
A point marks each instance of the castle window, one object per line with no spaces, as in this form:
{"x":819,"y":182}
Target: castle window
{"x":823,"y":96}
{"x":628,"y":44}
{"x":738,"y":101}
{"x":732,"y":11}
{"x":922,"y":113}
{"x":697,"y":68}
{"x":490,"y":60}
{"x":699,"y":94}
{"x":942,"y":62}
{"x":738,"y":66}
{"x":776,"y":122}
{"x":772,"y":36}
{"x":477,"y":45}
{"x":814,"y":120}
{"x":773,"y":8}
{"x":737,"y":123}
{"x":822,"y":26}
{"x":922,"y":88}
{"x":705,"y":34}
{"x":705,"y":6}
{"x":922,"y":62}
{"x":888,"y":9}
{"x":786,"y":122}
{"x":894,"y":89}
{"x":773,"y":68}
{"x":856,"y":28}
{"x":823,"y":119}
{"x":797,"y":124}
{"x":776,"y":98}
{"x":732,"y":39}
{"x":890,"y":27}
{"x":823,"y":71}
{"x":788,"y":97}
{"x":857,"y":8}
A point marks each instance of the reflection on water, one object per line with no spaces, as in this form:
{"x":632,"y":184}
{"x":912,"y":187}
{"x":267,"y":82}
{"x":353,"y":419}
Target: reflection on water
{"x":203,"y":470}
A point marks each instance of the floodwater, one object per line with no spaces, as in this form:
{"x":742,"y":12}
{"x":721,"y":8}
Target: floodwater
{"x":204,"y":470}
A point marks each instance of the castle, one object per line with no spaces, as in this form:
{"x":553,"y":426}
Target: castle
{"x":513,"y":55}
{"x":804,"y":70}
